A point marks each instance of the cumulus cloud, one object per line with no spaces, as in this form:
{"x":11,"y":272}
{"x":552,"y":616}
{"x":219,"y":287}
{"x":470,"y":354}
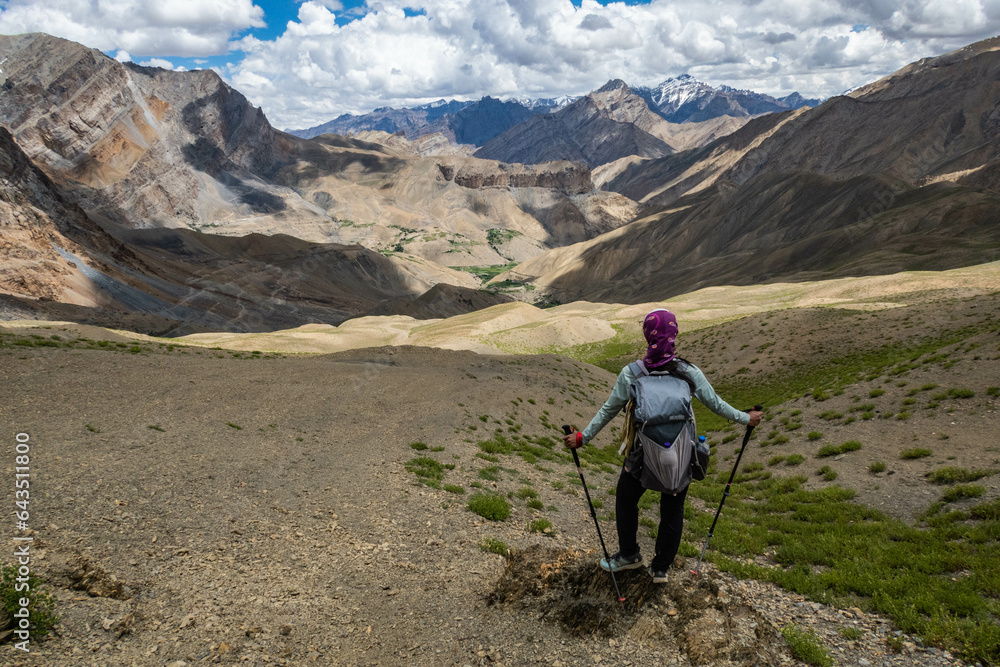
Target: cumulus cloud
{"x":148,"y":27}
{"x":595,"y":22}
{"x":771,"y":37}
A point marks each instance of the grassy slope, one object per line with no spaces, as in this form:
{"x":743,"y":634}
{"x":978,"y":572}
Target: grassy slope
{"x":939,"y":579}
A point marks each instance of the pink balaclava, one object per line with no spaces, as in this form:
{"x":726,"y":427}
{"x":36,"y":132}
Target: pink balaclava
{"x":660,"y":329}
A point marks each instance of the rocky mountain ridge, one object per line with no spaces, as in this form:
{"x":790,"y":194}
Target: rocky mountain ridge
{"x":146,"y":147}
{"x":677,"y":100}
{"x":461,"y":122}
{"x":686,"y":100}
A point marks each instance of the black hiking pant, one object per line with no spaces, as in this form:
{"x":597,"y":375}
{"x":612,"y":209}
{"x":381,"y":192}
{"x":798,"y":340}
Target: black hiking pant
{"x":668,"y":537}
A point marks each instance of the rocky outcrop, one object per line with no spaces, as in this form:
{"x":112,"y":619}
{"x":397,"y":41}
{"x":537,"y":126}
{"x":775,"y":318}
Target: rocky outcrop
{"x":571,"y":178}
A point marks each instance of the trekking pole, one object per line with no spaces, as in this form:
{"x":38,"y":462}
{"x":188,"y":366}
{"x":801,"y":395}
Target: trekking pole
{"x":725,"y":494}
{"x":607,"y":558}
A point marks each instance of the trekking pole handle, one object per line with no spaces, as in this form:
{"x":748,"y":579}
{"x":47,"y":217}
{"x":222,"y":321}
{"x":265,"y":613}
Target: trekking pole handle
{"x":567,"y":430}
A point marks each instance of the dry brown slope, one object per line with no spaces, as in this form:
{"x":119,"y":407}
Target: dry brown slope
{"x":776,"y":227}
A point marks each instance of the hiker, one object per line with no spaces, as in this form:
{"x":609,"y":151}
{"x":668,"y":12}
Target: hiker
{"x":660,"y":330}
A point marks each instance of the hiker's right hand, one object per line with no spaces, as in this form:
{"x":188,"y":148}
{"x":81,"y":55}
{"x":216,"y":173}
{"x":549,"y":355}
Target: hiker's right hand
{"x":755,"y":417}
{"x":571,"y":440}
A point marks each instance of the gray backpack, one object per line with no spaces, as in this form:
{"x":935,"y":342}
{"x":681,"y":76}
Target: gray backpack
{"x":665,"y":453}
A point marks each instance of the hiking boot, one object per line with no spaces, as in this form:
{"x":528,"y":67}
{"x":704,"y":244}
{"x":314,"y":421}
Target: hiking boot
{"x":619,"y":562}
{"x":659,"y":576}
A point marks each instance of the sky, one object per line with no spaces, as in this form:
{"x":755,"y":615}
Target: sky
{"x":306,"y":62}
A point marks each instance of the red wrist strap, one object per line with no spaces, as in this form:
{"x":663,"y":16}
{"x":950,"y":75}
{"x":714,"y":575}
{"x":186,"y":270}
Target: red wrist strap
{"x":579,"y":438}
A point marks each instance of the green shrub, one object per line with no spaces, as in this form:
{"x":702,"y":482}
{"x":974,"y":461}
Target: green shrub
{"x":868,"y":415}
{"x":794,"y":460}
{"x":851,"y":632}
{"x":830,"y":414}
{"x":454,"y":488}
{"x":489,"y":506}
{"x":775,"y":460}
{"x":993,"y":391}
{"x":876,"y":467}
{"x":986,"y":511}
{"x":827,"y":473}
{"x":429,"y":471}
{"x":540,"y":526}
{"x":903,"y":416}
{"x":494,"y":546}
{"x":498,"y":445}
{"x":419,"y":446}
{"x":915,"y":453}
{"x":526,"y":492}
{"x":961,"y":393}
{"x":875,"y":393}
{"x":814,"y":435}
{"x":953,"y":475}
{"x":41,"y":603}
{"x":805,"y":646}
{"x":537,"y":504}
{"x":833,"y":450}
{"x":962,"y":491}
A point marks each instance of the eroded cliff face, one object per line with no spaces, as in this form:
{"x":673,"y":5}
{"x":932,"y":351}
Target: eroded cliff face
{"x":41,"y":233}
{"x":143,"y":145}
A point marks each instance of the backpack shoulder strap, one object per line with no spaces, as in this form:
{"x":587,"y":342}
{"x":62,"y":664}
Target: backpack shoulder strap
{"x":638,"y":368}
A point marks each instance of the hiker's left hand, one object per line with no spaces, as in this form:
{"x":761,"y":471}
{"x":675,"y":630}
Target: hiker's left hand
{"x":755,"y":418}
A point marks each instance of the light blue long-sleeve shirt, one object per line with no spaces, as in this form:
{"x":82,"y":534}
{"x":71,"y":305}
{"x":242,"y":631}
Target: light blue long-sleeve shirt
{"x":703,"y":391}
